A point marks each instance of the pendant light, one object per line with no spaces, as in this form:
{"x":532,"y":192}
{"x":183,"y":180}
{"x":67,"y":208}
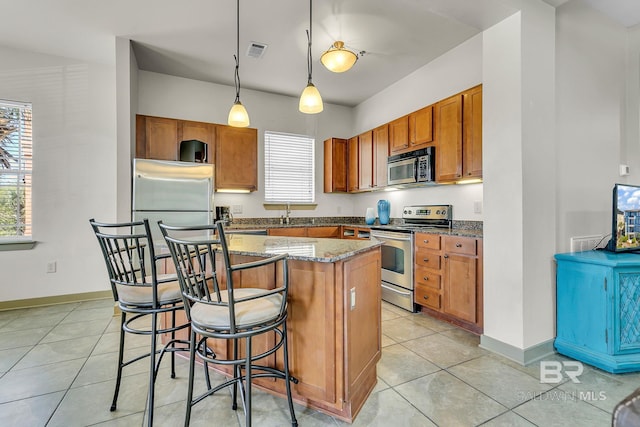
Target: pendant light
{"x":338,"y":58}
{"x":238,"y":116}
{"x":310,"y":100}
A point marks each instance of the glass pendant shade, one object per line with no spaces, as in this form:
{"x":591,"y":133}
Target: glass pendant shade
{"x":310,"y":100}
{"x":238,"y":116}
{"x":338,"y":59}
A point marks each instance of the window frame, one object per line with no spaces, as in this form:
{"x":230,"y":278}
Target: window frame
{"x":271,"y":137}
{"x":19,"y":176}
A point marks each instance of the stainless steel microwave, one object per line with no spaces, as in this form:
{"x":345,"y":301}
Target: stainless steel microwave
{"x":412,"y":167}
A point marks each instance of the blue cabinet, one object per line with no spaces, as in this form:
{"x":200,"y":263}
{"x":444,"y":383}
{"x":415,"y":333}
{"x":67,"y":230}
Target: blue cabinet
{"x":598,"y":309}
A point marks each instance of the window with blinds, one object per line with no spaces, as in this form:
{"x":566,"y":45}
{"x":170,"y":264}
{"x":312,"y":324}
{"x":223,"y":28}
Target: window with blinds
{"x":288,"y":168}
{"x":15,"y":169}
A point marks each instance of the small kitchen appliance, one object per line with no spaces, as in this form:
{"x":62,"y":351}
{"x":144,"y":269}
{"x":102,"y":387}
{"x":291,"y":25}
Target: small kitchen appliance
{"x":412,"y":167}
{"x":223,"y":213}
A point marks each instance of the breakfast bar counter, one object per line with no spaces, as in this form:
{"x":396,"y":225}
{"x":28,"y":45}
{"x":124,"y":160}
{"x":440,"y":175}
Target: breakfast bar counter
{"x":334,"y":319}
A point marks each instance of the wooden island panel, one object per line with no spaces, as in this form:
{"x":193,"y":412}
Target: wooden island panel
{"x":334,"y":347}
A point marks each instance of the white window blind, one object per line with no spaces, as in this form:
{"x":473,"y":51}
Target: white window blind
{"x":288,"y":168}
{"x":15,"y":169}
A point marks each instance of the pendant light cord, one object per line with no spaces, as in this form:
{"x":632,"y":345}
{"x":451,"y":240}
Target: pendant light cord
{"x":309,"y":35}
{"x":237,"y":55}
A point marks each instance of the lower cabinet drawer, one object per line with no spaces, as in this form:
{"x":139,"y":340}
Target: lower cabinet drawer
{"x":428,"y":259}
{"x":428,"y":297}
{"x":425,"y":277}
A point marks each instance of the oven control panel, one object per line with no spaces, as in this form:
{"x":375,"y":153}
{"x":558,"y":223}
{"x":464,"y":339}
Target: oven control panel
{"x":427,"y":212}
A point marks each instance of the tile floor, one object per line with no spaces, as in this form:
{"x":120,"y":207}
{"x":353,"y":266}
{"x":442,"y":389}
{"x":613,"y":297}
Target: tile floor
{"x":57,"y":368}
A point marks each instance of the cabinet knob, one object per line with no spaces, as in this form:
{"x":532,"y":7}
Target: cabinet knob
{"x":425,"y":259}
{"x":426,"y":297}
{"x":425,"y":241}
{"x":458,"y":245}
{"x":445,"y":256}
{"x":425,"y":278}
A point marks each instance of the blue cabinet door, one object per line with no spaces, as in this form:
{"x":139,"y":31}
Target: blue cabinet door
{"x":627,"y":311}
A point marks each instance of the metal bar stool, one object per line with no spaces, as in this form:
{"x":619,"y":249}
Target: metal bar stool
{"x":234,"y":314}
{"x":140,"y":291}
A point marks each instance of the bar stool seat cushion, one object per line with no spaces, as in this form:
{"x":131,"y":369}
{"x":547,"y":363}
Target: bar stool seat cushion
{"x":168,"y":292}
{"x":247,"y":312}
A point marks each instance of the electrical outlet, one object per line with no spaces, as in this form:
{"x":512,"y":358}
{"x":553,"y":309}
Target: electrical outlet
{"x":353,"y":298}
{"x":586,"y":243}
{"x":51,"y":267}
{"x":236,"y":209}
{"x":477,"y":206}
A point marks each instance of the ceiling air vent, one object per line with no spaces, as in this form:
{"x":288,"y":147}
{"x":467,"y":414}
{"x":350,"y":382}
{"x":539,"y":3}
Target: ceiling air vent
{"x":256,"y":50}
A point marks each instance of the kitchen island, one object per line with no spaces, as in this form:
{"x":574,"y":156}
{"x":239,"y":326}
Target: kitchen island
{"x":334,"y":322}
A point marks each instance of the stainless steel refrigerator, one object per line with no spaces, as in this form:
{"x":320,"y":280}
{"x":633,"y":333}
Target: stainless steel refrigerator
{"x":178,"y":193}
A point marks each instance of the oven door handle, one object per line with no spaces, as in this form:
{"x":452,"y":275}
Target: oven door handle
{"x":384,"y":236}
{"x":396,"y":291}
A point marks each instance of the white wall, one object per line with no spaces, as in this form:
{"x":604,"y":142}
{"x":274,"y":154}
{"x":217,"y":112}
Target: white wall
{"x":453,"y":72}
{"x":167,"y":96}
{"x":590,"y":78}
{"x":74,"y":176}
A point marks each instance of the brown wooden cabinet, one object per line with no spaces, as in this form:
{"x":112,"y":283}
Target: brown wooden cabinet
{"x":380,"y":155}
{"x":233,"y":150}
{"x":365,"y":160}
{"x":399,"y":135}
{"x":448,"y":278}
{"x":335,"y":165}
{"x":472,"y":133}
{"x":236,"y":158}
{"x":332,"y":231}
{"x":459,"y":136}
{"x":353,"y":171}
{"x":448,"y":116}
{"x":157,"y":138}
{"x":421,"y":128}
{"x":355,"y":232}
{"x":203,"y":132}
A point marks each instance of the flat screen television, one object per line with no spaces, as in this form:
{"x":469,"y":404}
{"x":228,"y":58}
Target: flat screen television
{"x":625,"y":224}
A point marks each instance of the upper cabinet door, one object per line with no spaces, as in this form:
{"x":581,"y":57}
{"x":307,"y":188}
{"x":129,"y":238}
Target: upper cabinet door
{"x":449,"y":139}
{"x":380,"y":155}
{"x":353,"y":171}
{"x":236,"y":158}
{"x":335,"y":165}
{"x":200,"y":131}
{"x":156,"y":138}
{"x":365,"y":149}
{"x":421,"y":128}
{"x":472,"y":125}
{"x":399,"y":135}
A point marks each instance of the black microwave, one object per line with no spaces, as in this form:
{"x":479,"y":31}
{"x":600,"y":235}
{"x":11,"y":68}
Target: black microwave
{"x":412,"y":167}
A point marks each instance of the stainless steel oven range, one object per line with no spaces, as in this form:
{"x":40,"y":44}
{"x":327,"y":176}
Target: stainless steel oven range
{"x":398,"y":250}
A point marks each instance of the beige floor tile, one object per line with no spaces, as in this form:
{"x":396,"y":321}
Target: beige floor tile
{"x":388,"y":408}
{"x":76,"y":330}
{"x":8,"y":358}
{"x":24,"y":323}
{"x":401,"y":329}
{"x":34,"y":411}
{"x":443,"y":351}
{"x":399,"y":365}
{"x":447,"y":401}
{"x":386,"y":341}
{"x":501,"y":382}
{"x":98,"y":303}
{"x":508,"y":419}
{"x":58,"y":351}
{"x":88,"y":315}
{"x":431,"y":323}
{"x":24,"y":383}
{"x":559,"y":408}
{"x":91,"y":404}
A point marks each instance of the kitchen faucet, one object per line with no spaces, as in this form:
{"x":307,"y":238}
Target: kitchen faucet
{"x":287,"y":220}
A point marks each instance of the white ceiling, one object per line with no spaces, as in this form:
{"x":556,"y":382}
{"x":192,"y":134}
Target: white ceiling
{"x":196,"y":38}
